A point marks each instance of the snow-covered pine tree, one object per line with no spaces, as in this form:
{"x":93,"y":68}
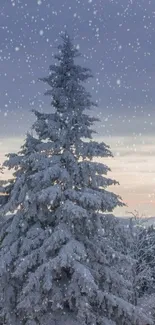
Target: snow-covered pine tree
{"x":145,"y":270}
{"x":55,"y":263}
{"x":147,"y":253}
{"x":142,"y":251}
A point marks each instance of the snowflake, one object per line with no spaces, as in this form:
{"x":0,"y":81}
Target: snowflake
{"x":41,"y":32}
{"x":118,"y":82}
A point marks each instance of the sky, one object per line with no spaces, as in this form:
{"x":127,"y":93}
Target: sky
{"x":116,"y":39}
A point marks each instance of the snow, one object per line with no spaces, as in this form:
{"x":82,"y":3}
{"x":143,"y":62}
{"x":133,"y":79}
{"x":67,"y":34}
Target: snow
{"x":55,"y":258}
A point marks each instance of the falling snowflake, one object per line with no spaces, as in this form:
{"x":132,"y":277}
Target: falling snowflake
{"x":118,"y":82}
{"x":41,"y":32}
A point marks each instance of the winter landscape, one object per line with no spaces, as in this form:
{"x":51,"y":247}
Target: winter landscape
{"x":77,"y":247}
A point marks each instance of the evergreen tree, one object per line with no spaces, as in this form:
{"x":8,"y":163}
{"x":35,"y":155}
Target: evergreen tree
{"x":142,"y":251}
{"x":145,"y":267}
{"x":57,"y":263}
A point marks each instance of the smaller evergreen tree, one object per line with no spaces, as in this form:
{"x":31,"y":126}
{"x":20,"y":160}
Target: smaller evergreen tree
{"x":143,"y":252}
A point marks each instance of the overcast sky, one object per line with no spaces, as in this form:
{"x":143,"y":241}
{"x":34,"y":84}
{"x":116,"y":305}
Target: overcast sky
{"x":117,"y":41}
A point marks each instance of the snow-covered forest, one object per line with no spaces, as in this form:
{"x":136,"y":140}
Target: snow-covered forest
{"x":65,"y":259}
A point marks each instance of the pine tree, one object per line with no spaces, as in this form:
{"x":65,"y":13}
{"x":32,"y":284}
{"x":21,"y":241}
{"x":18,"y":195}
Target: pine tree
{"x":57,"y":264}
{"x":145,"y":274}
{"x":142,"y":251}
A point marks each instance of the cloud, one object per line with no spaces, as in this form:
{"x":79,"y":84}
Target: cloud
{"x":135,"y":172}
